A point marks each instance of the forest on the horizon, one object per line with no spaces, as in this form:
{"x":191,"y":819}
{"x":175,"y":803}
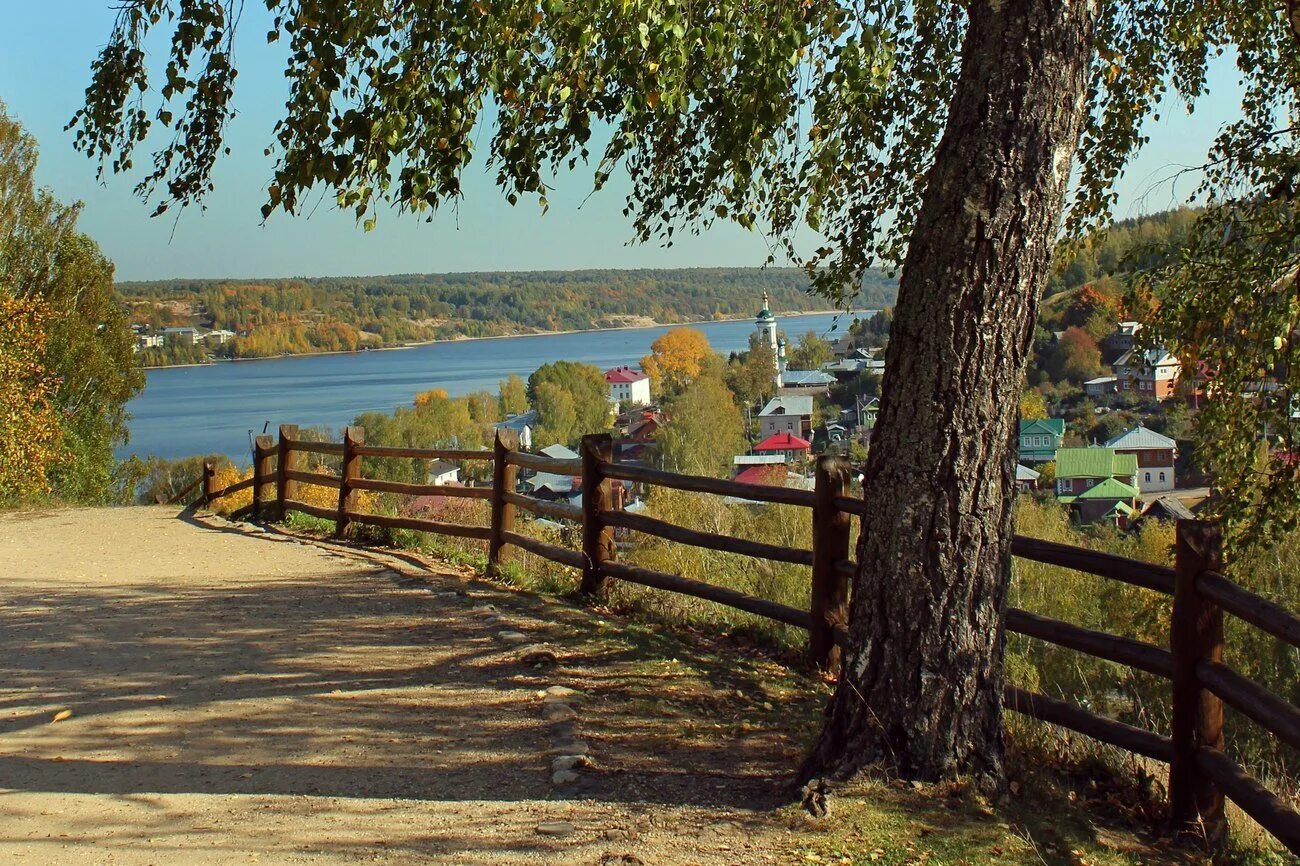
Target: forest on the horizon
{"x":332,"y":313}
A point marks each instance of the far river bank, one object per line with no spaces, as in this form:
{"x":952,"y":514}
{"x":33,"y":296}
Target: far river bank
{"x":791,"y":314}
{"x":218,"y":408}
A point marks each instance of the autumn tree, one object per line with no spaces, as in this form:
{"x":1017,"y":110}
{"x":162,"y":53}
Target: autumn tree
{"x":705,"y":429}
{"x":1033,"y":406}
{"x":937,"y":137}
{"x":1076,"y":357}
{"x":513,"y":395}
{"x":47,"y":265}
{"x":33,"y":437}
{"x":676,"y":358}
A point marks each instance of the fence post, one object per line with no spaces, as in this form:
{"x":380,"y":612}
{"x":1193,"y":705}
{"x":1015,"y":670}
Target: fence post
{"x":263,"y":448}
{"x":287,"y":432}
{"x":597,"y":538}
{"x":349,"y":471}
{"x":830,"y":544}
{"x":209,"y":483}
{"x":504,"y":474}
{"x":1195,"y":634}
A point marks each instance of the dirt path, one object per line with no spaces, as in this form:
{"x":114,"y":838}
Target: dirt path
{"x":240,"y":698}
{"x":185,"y":691}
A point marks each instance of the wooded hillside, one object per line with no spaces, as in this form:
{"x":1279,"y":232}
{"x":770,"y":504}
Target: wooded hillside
{"x":409,"y":307}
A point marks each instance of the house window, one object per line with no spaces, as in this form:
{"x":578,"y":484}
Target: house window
{"x":1149,"y":478}
{"x":1067,"y":485}
{"x":1162,"y":476}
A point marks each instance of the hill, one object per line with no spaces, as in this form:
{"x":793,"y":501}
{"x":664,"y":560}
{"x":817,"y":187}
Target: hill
{"x":320,"y":314}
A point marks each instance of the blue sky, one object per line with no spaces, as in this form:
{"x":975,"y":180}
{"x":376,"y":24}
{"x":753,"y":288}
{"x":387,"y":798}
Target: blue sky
{"x":45,"y":54}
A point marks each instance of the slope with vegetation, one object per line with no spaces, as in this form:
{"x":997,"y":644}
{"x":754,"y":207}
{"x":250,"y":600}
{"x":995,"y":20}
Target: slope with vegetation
{"x":344,"y":313}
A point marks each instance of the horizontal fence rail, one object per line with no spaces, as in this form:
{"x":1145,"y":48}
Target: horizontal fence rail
{"x":1201,"y":775}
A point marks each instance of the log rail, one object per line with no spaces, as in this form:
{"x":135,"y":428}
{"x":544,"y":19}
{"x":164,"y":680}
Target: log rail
{"x":1201,"y":774}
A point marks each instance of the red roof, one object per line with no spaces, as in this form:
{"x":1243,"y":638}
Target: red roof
{"x":783,"y":442}
{"x":620,"y":375}
{"x":771,"y":476}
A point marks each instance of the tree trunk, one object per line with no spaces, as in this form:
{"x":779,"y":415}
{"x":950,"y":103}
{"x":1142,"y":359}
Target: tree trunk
{"x":920,"y":689}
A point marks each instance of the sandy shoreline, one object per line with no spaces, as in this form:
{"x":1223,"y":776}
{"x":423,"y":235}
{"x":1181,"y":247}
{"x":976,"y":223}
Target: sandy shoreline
{"x":790,"y":314}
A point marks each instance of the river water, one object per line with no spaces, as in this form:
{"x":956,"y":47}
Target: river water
{"x":217,"y":408}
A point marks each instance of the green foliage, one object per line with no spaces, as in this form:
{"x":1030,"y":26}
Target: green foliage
{"x":87,"y":343}
{"x":1229,"y":307}
{"x":705,"y":431}
{"x":513,"y":395}
{"x":577,"y":403}
{"x":751,"y":375}
{"x":810,"y":354}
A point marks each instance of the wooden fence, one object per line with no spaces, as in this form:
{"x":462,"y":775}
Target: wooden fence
{"x":1201,"y":774}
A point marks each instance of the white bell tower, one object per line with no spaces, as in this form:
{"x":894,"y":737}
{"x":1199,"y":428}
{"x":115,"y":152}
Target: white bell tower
{"x":766,"y":324}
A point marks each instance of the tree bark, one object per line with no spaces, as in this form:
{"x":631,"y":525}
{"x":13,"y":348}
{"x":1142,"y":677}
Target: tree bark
{"x":920,"y":688}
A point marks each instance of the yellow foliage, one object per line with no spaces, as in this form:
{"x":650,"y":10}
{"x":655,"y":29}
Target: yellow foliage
{"x":424,"y":398}
{"x":32,"y":439}
{"x":676,"y":358}
{"x":226,"y":475}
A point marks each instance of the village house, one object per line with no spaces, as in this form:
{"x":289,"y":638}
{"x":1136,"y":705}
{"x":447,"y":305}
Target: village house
{"x":523,"y":424}
{"x":793,"y":448}
{"x":741,"y":462}
{"x":1155,"y":455}
{"x":1026,"y":478}
{"x":1040,"y":438}
{"x":786,"y":414}
{"x":628,"y":387}
{"x":1119,"y":342}
{"x":1112,"y":500}
{"x":1153,"y":373}
{"x":443,"y":472}
{"x":1080,"y":469}
{"x":1101,"y":386}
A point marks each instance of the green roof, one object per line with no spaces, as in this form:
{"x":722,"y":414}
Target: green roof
{"x":1094,"y":463}
{"x":764,"y":314}
{"x":1111,"y":488}
{"x":1053,"y":426}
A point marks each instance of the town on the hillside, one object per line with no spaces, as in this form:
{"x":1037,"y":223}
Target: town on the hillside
{"x":1115,"y":451}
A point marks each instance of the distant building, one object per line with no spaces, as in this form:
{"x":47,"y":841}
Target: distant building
{"x":148,"y":341}
{"x":219,"y":336}
{"x":867,"y":412}
{"x":1156,"y":455}
{"x":804,"y":381}
{"x":628,"y":387}
{"x":793,"y":448}
{"x":744,"y":461}
{"x":523,"y":424}
{"x":773,"y":476}
{"x":1112,"y":500}
{"x":1080,"y":469}
{"x":1120,"y":341}
{"x":1040,"y":438}
{"x":1153,"y":373}
{"x":444,"y":472}
{"x":1026,"y":478}
{"x":786,"y":414}
{"x":1101,"y":386}
{"x":836,"y":433}
{"x":180,"y":336}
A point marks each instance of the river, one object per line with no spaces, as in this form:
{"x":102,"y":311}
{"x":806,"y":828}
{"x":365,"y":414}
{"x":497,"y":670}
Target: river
{"x":217,"y":408}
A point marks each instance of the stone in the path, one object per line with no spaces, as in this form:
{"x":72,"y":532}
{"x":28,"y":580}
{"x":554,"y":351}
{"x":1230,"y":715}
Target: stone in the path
{"x":558,"y":712}
{"x":555,"y":828}
{"x":564,"y":777}
{"x":538,"y":655}
{"x":562,"y":693}
{"x":565,"y":730}
{"x":486,"y":608}
{"x":512,"y":636}
{"x":569,"y":762}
